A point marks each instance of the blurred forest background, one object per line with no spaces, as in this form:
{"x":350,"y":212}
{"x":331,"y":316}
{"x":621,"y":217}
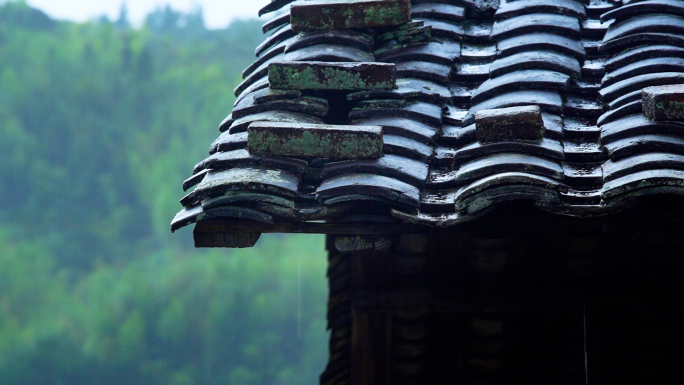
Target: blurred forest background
{"x":100,"y":123}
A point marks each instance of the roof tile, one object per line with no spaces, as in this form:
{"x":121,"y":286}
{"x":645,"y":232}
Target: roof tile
{"x":595,"y":151}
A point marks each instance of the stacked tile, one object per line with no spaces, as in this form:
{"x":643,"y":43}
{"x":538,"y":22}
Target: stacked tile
{"x":476,"y":56}
{"x":396,"y":178}
{"x":266,"y":164}
{"x":441,"y":61}
{"x":513,"y":159}
{"x":583,"y":153}
{"x":425,"y":52}
{"x":374,"y":114}
{"x":537,"y":61}
{"x":646,"y":46}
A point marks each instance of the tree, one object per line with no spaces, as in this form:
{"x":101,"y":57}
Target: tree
{"x":98,"y":127}
{"x":122,"y":21}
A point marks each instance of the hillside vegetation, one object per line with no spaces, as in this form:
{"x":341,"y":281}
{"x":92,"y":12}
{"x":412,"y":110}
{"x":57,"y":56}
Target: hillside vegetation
{"x":100,"y":123}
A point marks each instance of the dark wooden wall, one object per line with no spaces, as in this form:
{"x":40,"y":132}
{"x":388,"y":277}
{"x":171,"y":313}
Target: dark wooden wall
{"x":509,"y":305}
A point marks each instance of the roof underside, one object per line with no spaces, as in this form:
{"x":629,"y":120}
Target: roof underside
{"x":596,"y":154}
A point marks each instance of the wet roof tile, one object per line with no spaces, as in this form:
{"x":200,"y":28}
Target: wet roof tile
{"x":340,"y":14}
{"x":582,"y":66}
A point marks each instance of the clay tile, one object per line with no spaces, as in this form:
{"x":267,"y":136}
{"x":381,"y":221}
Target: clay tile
{"x":345,"y":14}
{"x":331,"y":76}
{"x":509,"y":124}
{"x":664,"y":102}
{"x":315,"y":140}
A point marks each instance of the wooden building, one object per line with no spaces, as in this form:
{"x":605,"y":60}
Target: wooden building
{"x":500,"y":183}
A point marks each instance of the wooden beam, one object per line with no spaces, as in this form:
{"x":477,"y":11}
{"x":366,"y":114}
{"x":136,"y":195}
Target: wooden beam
{"x":222,"y":232}
{"x":222,"y":226}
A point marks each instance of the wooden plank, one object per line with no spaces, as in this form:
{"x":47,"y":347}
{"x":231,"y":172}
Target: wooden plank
{"x":369,"y":348}
{"x":504,"y":218}
{"x":371,"y":330}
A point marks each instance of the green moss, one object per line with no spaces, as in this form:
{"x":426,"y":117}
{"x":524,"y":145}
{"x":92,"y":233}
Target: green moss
{"x":315,"y":143}
{"x":385,"y":15}
{"x":351,"y":14}
{"x":673,"y":109}
{"x":323,"y":78}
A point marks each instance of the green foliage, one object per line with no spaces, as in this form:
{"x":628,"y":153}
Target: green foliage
{"x":18,"y":13}
{"x":100,"y":124}
{"x":208,"y":318}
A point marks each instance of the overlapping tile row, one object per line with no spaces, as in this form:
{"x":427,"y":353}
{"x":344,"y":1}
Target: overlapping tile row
{"x":528,"y":56}
{"x":467,"y":30}
{"x":539,"y":60}
{"x":645,"y":44}
{"x":237,"y":180}
{"x":412,"y":114}
{"x":427,"y":82}
{"x":583,"y":154}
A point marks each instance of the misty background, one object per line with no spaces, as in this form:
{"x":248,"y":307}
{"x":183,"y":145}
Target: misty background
{"x":101,"y":121}
{"x":217,"y":13}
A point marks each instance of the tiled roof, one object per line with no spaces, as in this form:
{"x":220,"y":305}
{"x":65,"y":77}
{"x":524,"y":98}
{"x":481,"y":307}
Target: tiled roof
{"x":482,"y":103}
